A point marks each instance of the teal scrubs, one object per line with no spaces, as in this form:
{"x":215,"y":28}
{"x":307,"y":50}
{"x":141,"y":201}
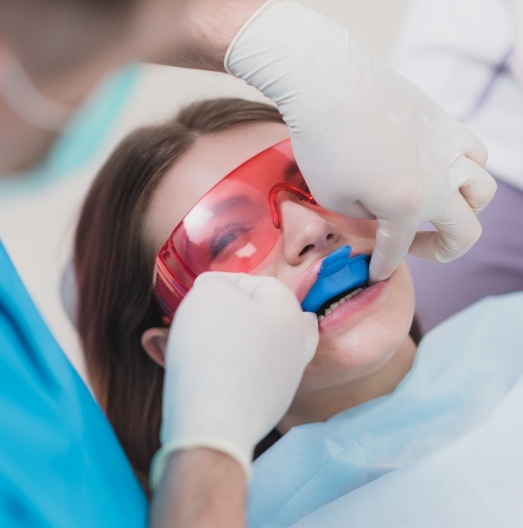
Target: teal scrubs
{"x":61,"y":464}
{"x":83,"y":137}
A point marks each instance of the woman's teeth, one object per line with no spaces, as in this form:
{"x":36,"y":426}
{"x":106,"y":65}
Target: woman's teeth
{"x":339,"y":302}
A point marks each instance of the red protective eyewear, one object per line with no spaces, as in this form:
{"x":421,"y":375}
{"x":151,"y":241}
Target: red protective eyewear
{"x":233,"y":227}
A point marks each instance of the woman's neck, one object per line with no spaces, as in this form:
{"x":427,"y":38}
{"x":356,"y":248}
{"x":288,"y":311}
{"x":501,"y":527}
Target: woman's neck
{"x":320,"y":405}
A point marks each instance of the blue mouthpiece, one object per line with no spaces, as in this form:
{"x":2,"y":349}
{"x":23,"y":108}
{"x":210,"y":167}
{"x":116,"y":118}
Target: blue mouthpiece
{"x":339,"y":273}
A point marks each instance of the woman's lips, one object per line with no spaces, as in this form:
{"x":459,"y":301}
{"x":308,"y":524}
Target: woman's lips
{"x":352,"y":307}
{"x":310,"y":276}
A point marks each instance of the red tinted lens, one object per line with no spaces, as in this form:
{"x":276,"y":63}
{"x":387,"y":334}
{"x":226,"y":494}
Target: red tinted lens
{"x":232,"y":228}
{"x":229,"y":230}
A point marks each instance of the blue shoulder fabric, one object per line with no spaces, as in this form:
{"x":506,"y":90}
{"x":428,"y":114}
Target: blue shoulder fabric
{"x":61,"y":464}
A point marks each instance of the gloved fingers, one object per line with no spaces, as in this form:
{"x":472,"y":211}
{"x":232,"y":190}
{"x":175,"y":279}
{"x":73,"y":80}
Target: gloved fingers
{"x":250,"y":285}
{"x":475,"y":149}
{"x":259,"y":287}
{"x":253,"y":285}
{"x":454,"y":236}
{"x":476,"y":185}
{"x":311,"y":334}
{"x":278,"y":299}
{"x":211,"y":276}
{"x":274,"y":296}
{"x":344,"y":206}
{"x":393,"y":239}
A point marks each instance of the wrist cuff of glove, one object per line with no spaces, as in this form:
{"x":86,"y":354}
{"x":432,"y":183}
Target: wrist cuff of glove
{"x":238,"y":35}
{"x":160,"y":459}
{"x":288,"y":51}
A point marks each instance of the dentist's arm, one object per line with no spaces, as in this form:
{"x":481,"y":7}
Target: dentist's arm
{"x":369,"y":143}
{"x":203,"y":30}
{"x":236,"y":353}
{"x":200,"y":488}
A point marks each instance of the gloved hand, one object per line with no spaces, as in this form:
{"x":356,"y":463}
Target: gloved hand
{"x":369,"y":143}
{"x":236,"y":353}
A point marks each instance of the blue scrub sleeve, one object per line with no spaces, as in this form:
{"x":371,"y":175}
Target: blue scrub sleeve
{"x":61,"y":464}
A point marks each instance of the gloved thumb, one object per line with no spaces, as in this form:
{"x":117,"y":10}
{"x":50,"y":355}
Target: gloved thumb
{"x":311,"y":333}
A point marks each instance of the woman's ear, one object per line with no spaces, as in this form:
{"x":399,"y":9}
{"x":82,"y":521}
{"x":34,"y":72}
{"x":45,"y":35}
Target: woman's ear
{"x":154,"y":342}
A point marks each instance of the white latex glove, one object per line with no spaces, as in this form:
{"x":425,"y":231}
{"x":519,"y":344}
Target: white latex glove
{"x":369,"y":143}
{"x":236,"y":353}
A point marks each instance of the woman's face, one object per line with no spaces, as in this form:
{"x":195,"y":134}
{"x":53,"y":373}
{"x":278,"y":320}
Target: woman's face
{"x":357,"y":338}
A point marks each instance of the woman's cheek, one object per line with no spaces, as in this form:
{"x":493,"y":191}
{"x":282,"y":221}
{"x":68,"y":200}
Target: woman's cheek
{"x":365,"y":348}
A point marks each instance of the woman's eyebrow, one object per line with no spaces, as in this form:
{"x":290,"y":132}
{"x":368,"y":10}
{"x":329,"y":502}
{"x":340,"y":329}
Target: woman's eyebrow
{"x":232,"y":202}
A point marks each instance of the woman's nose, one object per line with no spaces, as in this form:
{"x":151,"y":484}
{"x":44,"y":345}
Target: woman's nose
{"x":305,"y":231}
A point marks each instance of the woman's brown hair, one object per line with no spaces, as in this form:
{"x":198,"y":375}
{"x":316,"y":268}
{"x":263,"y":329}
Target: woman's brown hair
{"x":114,"y":268}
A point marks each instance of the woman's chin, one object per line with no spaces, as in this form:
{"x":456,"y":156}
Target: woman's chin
{"x":352,"y":358}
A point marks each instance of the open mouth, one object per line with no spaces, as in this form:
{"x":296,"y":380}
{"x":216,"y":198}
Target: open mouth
{"x":330,"y":305}
{"x":340,"y":278}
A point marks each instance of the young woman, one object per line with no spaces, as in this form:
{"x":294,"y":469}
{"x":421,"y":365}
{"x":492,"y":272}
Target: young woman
{"x":144,"y":190}
{"x":217,"y":189}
